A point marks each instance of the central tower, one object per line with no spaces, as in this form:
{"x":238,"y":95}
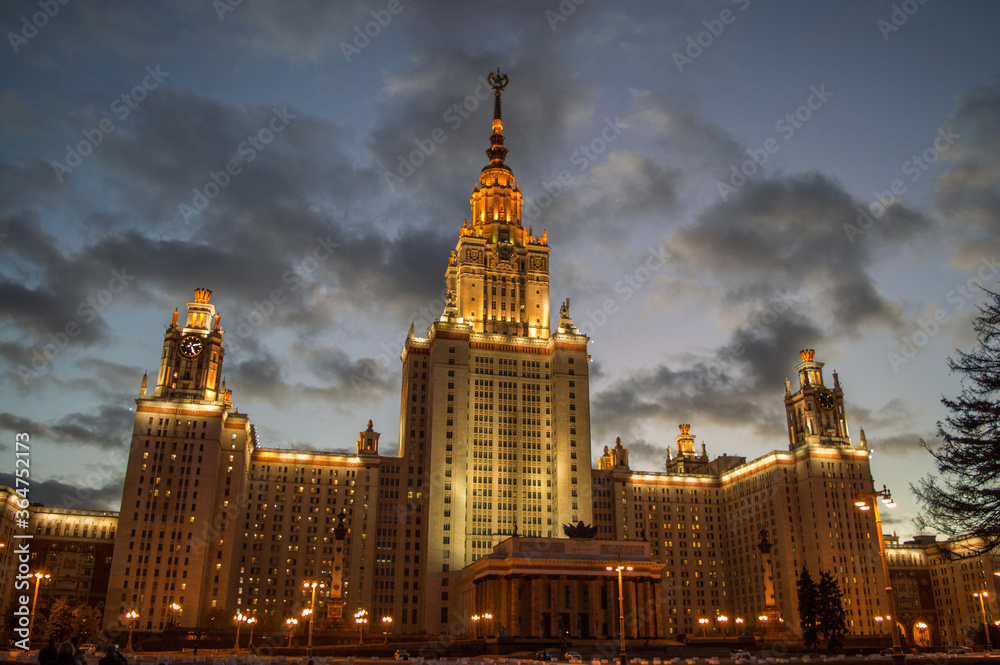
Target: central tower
{"x":495,"y":409}
{"x":498,"y":275}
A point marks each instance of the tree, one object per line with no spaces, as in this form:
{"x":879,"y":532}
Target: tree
{"x":830,"y":613}
{"x":965,"y":500}
{"x":58,"y":621}
{"x":808,"y":595}
{"x":978,"y":636}
{"x":85,"y":621}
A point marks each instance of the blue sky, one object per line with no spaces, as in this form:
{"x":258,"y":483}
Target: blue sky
{"x":837,"y":102}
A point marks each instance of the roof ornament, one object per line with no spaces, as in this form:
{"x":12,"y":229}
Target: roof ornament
{"x":496,"y":152}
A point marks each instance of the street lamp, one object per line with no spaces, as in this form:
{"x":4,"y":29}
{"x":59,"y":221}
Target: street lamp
{"x":921,"y":626}
{"x":177,"y":612}
{"x":704,"y":626}
{"x":475,"y":625}
{"x":131,"y":618}
{"x":898,"y":657}
{"x":239,"y":619}
{"x":739,"y":626}
{"x":621,"y":608}
{"x":38,"y":580}
{"x":982,"y":606}
{"x":724,"y":620}
{"x":312,"y":608}
{"x":386,"y":625}
{"x":250,"y":622}
{"x":487,"y":632}
{"x":361,"y":618}
{"x":291,"y":623}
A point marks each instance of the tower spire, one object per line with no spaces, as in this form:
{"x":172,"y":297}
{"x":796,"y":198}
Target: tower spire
{"x":496,"y":152}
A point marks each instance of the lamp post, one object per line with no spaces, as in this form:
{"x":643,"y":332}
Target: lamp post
{"x":239,"y":619}
{"x":250,"y":622}
{"x":922,"y":627}
{"x":386,"y":625}
{"x":487,"y":632}
{"x":862,"y":503}
{"x":724,"y":620}
{"x":763,"y":624}
{"x":982,"y":595}
{"x":291,"y":623}
{"x":131,"y":617}
{"x":177,"y":612}
{"x":704,"y":626}
{"x":361,"y":618}
{"x":475,"y":625}
{"x":312,"y":609}
{"x":879,"y":621}
{"x":621,"y":609}
{"x":38,"y":580}
{"x":739,"y":626}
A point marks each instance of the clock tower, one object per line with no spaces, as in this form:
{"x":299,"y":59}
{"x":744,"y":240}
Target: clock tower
{"x":815,"y":412}
{"x":185,"y":497}
{"x":191,"y":363}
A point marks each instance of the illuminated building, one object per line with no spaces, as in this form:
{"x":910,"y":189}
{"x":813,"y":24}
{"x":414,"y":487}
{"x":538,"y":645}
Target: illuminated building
{"x":494,"y":450}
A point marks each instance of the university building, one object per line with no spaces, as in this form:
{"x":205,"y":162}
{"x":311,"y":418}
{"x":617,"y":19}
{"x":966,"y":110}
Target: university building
{"x":466,"y":517}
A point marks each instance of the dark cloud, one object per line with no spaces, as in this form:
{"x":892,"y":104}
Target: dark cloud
{"x":107,"y":427}
{"x":790,"y":233}
{"x":737,"y":385}
{"x":61,"y":494}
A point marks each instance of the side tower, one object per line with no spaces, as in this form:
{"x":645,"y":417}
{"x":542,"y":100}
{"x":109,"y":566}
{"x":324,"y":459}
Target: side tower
{"x":815,"y":413}
{"x":493,"y":402}
{"x":185,"y":485}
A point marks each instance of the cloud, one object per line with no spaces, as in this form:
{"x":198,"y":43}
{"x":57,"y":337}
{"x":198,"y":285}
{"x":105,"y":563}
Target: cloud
{"x":968,"y":193}
{"x":788,"y":278}
{"x":108,"y":427}
{"x":59,"y":494}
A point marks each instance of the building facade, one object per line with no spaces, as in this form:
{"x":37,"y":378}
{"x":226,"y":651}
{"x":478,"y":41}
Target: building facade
{"x":75,"y":548}
{"x":706,"y":519}
{"x":186,"y":494}
{"x":491,"y":397}
{"x":494,"y":452}
{"x":935,"y":584}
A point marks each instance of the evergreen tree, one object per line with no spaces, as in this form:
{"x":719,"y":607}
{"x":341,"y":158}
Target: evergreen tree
{"x":808,"y":596}
{"x":830,"y":613}
{"x":965,"y":499}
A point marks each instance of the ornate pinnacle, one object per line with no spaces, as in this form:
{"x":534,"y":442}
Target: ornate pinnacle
{"x":496,"y":152}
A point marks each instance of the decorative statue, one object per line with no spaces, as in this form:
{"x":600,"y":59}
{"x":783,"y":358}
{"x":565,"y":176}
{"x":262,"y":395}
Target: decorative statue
{"x":580,"y":530}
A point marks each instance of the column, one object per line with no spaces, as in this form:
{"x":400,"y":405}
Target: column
{"x":631,"y":609}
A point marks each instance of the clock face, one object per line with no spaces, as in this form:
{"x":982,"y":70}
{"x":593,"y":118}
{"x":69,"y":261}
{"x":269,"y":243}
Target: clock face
{"x":191,"y":346}
{"x":825,"y":400}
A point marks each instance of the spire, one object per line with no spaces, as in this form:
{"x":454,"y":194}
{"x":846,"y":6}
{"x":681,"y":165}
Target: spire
{"x":142,"y":388}
{"x":496,"y":152}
